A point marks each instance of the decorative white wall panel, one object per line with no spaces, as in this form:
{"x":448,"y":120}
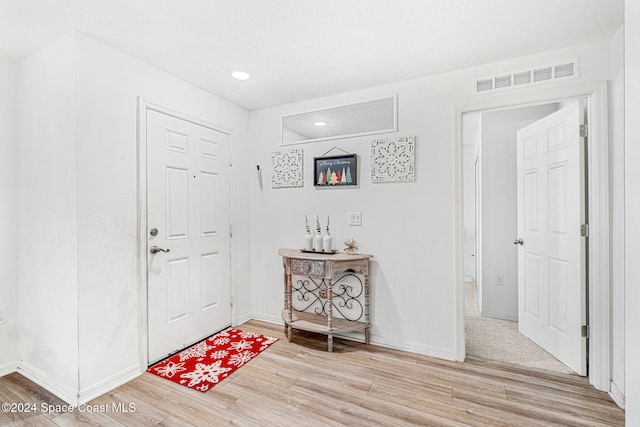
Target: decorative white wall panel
{"x":393,"y":159}
{"x":287,"y":168}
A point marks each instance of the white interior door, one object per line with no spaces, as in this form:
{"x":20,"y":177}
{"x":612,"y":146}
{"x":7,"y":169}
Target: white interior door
{"x":188,"y":216}
{"x":551,"y":255}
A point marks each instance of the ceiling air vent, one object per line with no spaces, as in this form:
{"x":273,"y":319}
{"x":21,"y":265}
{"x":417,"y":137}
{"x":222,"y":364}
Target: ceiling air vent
{"x":484,"y":85}
{"x":564,"y":70}
{"x":542,"y":74}
{"x":522,"y":78}
{"x":536,"y":75}
{"x":503,"y":81}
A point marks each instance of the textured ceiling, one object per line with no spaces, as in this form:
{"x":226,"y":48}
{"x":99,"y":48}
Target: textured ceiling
{"x":302,"y":49}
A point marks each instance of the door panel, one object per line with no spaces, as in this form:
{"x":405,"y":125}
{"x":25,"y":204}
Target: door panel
{"x":188,"y":177}
{"x":551,"y":259}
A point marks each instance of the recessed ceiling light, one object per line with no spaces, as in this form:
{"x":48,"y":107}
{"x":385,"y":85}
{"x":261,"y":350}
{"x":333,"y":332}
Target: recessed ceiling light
{"x":241,"y":75}
{"x":320,"y":123}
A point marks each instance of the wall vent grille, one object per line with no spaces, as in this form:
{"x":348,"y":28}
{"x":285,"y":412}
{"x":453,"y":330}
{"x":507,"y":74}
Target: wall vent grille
{"x":564,"y":70}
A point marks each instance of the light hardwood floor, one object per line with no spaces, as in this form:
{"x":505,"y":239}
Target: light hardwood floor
{"x":300,"y":384}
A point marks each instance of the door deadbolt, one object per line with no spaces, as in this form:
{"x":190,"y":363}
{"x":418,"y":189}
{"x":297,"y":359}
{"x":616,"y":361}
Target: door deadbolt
{"x":153,"y":232}
{"x":155,"y":250}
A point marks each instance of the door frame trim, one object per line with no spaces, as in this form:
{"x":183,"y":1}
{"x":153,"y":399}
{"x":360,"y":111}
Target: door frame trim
{"x":599,"y":304}
{"x":145,"y":105}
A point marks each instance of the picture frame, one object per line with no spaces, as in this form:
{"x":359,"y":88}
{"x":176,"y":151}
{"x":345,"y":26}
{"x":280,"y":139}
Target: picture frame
{"x":335,"y":171}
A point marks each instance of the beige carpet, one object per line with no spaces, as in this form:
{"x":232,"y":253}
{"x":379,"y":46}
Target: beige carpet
{"x":495,"y":339}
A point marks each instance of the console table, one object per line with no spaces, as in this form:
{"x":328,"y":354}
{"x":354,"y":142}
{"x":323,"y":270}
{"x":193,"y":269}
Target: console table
{"x":323,"y":267}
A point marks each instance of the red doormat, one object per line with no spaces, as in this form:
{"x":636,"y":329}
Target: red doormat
{"x":208,"y":362}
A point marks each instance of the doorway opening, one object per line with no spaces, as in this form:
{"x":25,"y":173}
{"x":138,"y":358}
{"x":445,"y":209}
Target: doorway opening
{"x":597,"y":206}
{"x":497,"y":292}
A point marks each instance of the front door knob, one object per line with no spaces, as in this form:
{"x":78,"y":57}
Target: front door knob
{"x":155,"y":250}
{"x":518,"y":242}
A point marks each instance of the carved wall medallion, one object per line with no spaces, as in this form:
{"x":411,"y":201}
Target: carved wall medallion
{"x":286,"y":168}
{"x":393,"y":159}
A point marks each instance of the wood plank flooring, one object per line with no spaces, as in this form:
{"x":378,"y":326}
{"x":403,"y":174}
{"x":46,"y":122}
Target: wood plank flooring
{"x":300,"y":384}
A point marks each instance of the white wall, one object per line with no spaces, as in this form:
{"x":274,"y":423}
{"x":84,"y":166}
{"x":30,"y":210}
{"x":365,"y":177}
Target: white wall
{"x":48,"y":282}
{"x":80,"y":314}
{"x":617,"y":184}
{"x":108,"y":84}
{"x":632,"y":210}
{"x":500,"y":208}
{"x":8,"y":218}
{"x":408,"y":227}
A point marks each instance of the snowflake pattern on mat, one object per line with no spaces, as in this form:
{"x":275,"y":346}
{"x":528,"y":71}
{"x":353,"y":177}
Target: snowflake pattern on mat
{"x":266,"y":343}
{"x":241,"y":358}
{"x":241,"y":345}
{"x":197,"y":350}
{"x":219,"y":354}
{"x":222,"y":341}
{"x":246,"y":335}
{"x":204,"y":372}
{"x":227,"y":351}
{"x":170,"y":369}
{"x":203,"y":387}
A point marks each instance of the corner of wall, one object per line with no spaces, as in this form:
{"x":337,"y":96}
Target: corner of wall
{"x":9,"y":217}
{"x":48,"y":351}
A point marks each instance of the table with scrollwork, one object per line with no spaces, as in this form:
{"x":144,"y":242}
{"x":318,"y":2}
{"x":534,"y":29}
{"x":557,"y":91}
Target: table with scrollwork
{"x":325,"y":294}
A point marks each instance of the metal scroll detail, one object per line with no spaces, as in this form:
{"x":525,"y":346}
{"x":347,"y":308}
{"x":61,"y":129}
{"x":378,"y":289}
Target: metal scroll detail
{"x":309,"y":294}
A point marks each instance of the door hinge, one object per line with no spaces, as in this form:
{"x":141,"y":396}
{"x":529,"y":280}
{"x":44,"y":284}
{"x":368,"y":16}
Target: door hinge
{"x":584,"y":230}
{"x":584,"y":130}
{"x":230,"y":230}
{"x":585,"y":331}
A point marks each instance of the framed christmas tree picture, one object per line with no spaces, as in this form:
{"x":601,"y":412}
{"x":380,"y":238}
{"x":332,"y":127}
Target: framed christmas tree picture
{"x":335,"y":171}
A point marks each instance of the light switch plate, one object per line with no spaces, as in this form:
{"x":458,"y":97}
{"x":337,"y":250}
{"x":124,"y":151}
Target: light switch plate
{"x":355,"y":218}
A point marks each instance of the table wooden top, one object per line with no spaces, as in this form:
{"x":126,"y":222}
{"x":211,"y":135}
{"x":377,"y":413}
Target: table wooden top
{"x":317,"y":256}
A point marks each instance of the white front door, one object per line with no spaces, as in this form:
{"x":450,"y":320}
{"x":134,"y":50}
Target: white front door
{"x":551,"y":253}
{"x":189,"y":295}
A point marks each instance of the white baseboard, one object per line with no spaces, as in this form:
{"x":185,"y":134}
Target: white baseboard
{"x":67,"y":393}
{"x":266,"y":318}
{"x":8,"y":368}
{"x":413,"y":347}
{"x":89,"y":393}
{"x":379,"y":340}
{"x":52,"y":384}
{"x":243,"y":318}
{"x":617,"y":395}
{"x":500,"y":316}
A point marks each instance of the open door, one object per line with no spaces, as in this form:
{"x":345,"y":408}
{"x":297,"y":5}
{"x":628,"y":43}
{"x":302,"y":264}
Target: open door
{"x":551,"y":248}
